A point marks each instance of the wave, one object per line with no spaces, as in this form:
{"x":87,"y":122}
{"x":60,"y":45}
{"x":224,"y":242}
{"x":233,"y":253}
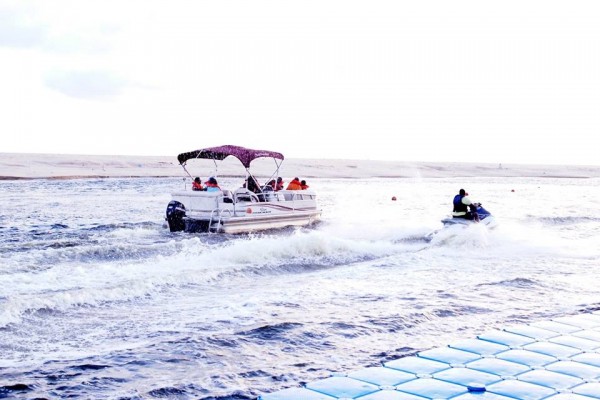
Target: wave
{"x":271,"y":332}
{"x":520,"y":283}
{"x":462,"y":236}
{"x":124,"y":271}
{"x":139,"y":262}
{"x":16,"y":389}
{"x":91,"y":266}
{"x":509,"y":239}
{"x":59,"y":236}
{"x":568,"y":220}
{"x":124,"y":262}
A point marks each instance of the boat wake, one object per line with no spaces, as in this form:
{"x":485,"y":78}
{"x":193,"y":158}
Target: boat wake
{"x":116,"y":271}
{"x":459,"y":235}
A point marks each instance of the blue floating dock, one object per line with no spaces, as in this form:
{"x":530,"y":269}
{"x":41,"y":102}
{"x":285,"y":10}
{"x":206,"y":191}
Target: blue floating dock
{"x":557,"y":359}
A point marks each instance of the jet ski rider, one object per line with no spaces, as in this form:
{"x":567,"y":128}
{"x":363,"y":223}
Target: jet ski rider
{"x":464,"y":207}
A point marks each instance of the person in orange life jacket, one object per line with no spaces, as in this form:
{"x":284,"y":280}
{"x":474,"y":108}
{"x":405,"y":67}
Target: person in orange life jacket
{"x":303,"y":185}
{"x":463,"y":207}
{"x":294,"y":184}
{"x":212,"y":185}
{"x":279,"y":184}
{"x":196,"y":184}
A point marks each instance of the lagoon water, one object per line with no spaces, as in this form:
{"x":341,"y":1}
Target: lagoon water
{"x":99,"y":300}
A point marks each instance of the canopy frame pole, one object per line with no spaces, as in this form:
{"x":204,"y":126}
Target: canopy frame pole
{"x":190,"y":175}
{"x":186,"y":171}
{"x":276,"y":173}
{"x":216,"y":168}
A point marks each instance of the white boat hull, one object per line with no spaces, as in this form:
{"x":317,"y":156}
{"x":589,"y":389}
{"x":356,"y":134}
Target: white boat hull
{"x":242,"y":211}
{"x":253,"y":224}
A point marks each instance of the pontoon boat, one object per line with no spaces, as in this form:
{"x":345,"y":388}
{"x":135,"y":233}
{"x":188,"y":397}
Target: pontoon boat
{"x":240,"y":210}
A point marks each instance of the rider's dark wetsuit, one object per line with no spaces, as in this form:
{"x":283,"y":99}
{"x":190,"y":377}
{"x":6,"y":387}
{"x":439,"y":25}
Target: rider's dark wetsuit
{"x":461,"y":204}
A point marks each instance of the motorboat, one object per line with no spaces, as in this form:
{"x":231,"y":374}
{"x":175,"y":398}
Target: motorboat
{"x":240,"y":210}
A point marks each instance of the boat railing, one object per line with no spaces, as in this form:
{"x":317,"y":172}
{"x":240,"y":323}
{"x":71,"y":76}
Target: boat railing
{"x":206,"y":201}
{"x":293,"y":195}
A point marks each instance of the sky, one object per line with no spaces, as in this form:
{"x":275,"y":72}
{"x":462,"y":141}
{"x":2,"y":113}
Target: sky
{"x":463,"y":81}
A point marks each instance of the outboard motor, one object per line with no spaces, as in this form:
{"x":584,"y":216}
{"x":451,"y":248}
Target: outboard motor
{"x":175,"y":214}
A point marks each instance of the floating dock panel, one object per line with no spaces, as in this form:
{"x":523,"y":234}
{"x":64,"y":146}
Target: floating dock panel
{"x":387,"y":394}
{"x":554,"y":380}
{"x":342,"y":387}
{"x":506,"y":338}
{"x":382,"y":376}
{"x":498,"y":366}
{"x":532,"y":332}
{"x":297,"y":393}
{"x":480,"y":347}
{"x":557,"y":359}
{"x":588,"y":358}
{"x":588,"y":389}
{"x":417,"y":365}
{"x":450,"y":356}
{"x":526,"y":357}
{"x":559,"y":351}
{"x":521,"y":390}
{"x":431,"y":388}
{"x":467,"y":377}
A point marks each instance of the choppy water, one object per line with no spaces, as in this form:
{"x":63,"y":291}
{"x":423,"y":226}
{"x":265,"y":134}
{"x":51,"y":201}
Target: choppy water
{"x":98,"y":299}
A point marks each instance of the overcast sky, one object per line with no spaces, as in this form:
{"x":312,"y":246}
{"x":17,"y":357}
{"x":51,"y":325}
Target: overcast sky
{"x":477,"y":81}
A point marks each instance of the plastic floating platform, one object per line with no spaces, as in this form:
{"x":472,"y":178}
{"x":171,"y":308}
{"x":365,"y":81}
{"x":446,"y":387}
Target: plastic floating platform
{"x":557,"y":359}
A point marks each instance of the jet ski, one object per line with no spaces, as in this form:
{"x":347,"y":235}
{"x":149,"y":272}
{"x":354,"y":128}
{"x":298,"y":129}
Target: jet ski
{"x":485,"y":217}
{"x":451,"y":224}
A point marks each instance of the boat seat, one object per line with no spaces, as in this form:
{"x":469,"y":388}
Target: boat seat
{"x":244,"y":195}
{"x":227,"y":196}
{"x":267,"y":196}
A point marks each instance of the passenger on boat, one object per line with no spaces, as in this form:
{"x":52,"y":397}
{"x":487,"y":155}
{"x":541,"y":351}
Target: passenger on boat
{"x":463,"y":207}
{"x":252,"y":185}
{"x":196,"y":184}
{"x":294,"y":184}
{"x":303,"y":185}
{"x":270,"y":186}
{"x":212,"y":185}
{"x":279,"y":184}
{"x":267,"y":190}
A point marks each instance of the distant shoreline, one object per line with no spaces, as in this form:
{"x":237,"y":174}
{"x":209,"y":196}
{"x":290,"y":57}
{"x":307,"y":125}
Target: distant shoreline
{"x":74,"y":177}
{"x":22,"y":166}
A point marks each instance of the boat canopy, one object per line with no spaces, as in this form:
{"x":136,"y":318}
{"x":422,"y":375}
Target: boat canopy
{"x":245,"y":155}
